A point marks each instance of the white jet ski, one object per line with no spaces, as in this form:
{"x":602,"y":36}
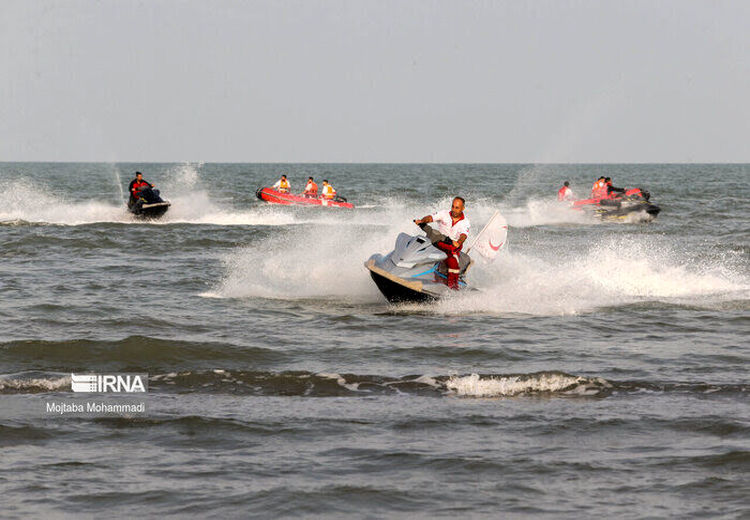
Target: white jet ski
{"x":415,"y":272}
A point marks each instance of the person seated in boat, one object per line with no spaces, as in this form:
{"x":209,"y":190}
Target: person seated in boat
{"x":611,"y":190}
{"x":282,"y":185}
{"x":328,"y":193}
{"x":311,"y":189}
{"x":599,"y":189}
{"x":565,"y":194}
{"x":454,"y":226}
{"x":136,"y":187}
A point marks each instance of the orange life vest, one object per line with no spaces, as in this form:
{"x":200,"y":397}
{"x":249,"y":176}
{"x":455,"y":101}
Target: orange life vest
{"x":599,"y":189}
{"x":328,"y":192}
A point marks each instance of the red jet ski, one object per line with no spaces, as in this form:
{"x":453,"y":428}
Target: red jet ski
{"x":620,"y":206}
{"x":272,"y":196}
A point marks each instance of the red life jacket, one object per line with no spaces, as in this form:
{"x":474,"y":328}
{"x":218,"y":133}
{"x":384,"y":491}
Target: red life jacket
{"x":137,"y":185}
{"x":599,"y":189}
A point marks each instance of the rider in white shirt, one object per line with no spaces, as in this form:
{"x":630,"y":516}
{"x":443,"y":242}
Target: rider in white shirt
{"x":282,"y":185}
{"x":327,"y":192}
{"x":454,"y":225}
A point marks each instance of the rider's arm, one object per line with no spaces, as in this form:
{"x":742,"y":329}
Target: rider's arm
{"x":424,"y":220}
{"x":460,"y":241}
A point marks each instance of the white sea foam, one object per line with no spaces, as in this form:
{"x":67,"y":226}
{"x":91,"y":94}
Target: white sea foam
{"x":609,"y":272}
{"x":505,"y":386}
{"x":326,"y":261}
{"x":30,"y":384}
{"x":545,"y":212}
{"x":340,"y":381}
{"x":26,"y":201}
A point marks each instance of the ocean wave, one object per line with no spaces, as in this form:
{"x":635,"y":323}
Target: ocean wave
{"x":31,"y":384}
{"x":323,"y":384}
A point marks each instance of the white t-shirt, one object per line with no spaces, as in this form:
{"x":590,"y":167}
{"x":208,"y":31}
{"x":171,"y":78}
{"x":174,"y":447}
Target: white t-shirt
{"x":446,"y":227}
{"x":328,"y":191}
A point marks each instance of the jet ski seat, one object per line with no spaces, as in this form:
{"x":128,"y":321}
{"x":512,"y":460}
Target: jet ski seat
{"x":464,"y":260}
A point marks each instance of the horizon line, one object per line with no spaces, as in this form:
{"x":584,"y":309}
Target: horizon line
{"x":552,"y":163}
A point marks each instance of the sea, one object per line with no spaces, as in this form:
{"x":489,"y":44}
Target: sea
{"x":600,"y":369}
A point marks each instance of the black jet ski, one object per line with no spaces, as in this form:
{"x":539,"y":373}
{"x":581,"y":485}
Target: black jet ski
{"x":149,"y":204}
{"x":633,"y":204}
{"x":415,"y":272}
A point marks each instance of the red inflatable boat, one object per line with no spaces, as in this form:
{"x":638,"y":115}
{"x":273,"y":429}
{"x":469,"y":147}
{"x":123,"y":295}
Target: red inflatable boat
{"x":292,"y":199}
{"x":620,"y":206}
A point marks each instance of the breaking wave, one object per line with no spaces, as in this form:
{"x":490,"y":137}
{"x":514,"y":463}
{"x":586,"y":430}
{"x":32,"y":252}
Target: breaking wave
{"x":320,"y":384}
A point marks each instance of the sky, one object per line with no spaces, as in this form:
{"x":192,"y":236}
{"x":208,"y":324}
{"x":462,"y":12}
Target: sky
{"x":375,"y":81}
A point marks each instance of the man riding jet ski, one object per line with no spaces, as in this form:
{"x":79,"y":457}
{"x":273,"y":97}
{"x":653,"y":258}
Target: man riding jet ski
{"x":144,"y":200}
{"x":417,"y":270}
{"x":453,"y":230}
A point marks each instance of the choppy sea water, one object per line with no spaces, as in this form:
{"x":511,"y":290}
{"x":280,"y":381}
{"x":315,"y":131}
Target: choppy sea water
{"x":602,"y":368}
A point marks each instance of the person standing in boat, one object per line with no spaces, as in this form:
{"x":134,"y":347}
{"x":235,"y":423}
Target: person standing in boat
{"x":454,"y":225}
{"x":311,"y":189}
{"x":328,"y":192}
{"x":282,"y":185}
{"x":136,"y":186}
{"x":565,"y":194}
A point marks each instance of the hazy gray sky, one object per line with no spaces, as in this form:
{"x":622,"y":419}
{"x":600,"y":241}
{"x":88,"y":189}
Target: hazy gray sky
{"x":375,"y":81}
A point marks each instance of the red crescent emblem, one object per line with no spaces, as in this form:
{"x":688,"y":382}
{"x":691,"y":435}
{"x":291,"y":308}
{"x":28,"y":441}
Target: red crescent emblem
{"x":495,"y":248}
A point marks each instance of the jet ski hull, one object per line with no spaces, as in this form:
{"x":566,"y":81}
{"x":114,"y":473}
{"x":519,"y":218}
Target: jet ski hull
{"x":646,"y":211}
{"x":634,"y":206}
{"x":149,"y":205}
{"x":150,"y":211}
{"x":414,"y":271}
{"x":396,"y":289}
{"x":290,"y":199}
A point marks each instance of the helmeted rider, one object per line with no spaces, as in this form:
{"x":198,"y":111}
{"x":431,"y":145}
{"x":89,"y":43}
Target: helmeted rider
{"x":565,"y":193}
{"x":282,"y":185}
{"x":454,"y":225}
